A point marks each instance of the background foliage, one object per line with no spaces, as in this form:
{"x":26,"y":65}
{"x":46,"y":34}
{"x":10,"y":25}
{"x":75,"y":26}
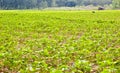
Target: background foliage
{"x":40,"y":4}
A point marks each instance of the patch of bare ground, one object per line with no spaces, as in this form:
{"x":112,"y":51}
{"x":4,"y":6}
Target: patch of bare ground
{"x":94,"y":68}
{"x":117,"y":46}
{"x":6,"y":70}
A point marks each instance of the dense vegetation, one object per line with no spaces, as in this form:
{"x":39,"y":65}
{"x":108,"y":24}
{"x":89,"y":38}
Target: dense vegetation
{"x":60,"y":41}
{"x":40,"y":4}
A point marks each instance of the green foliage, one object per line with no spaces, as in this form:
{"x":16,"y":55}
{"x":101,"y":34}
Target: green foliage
{"x":59,"y":41}
{"x":41,"y":4}
{"x":116,"y":3}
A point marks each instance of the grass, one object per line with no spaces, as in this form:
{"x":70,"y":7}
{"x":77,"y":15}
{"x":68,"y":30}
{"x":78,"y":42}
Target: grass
{"x":59,"y":41}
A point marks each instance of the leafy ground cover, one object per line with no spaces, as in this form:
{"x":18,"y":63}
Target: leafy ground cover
{"x":59,"y":41}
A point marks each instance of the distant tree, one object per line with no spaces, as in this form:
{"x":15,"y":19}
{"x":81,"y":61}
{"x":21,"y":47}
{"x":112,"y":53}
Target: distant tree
{"x":49,"y":3}
{"x":79,"y":2}
{"x":86,"y":2}
{"x":30,"y":4}
{"x":1,"y":4}
{"x":70,"y":4}
{"x":42,"y":4}
{"x":116,"y":3}
{"x":53,"y":3}
{"x":21,"y":4}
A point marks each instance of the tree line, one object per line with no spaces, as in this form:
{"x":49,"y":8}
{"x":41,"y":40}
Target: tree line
{"x":40,"y":4}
